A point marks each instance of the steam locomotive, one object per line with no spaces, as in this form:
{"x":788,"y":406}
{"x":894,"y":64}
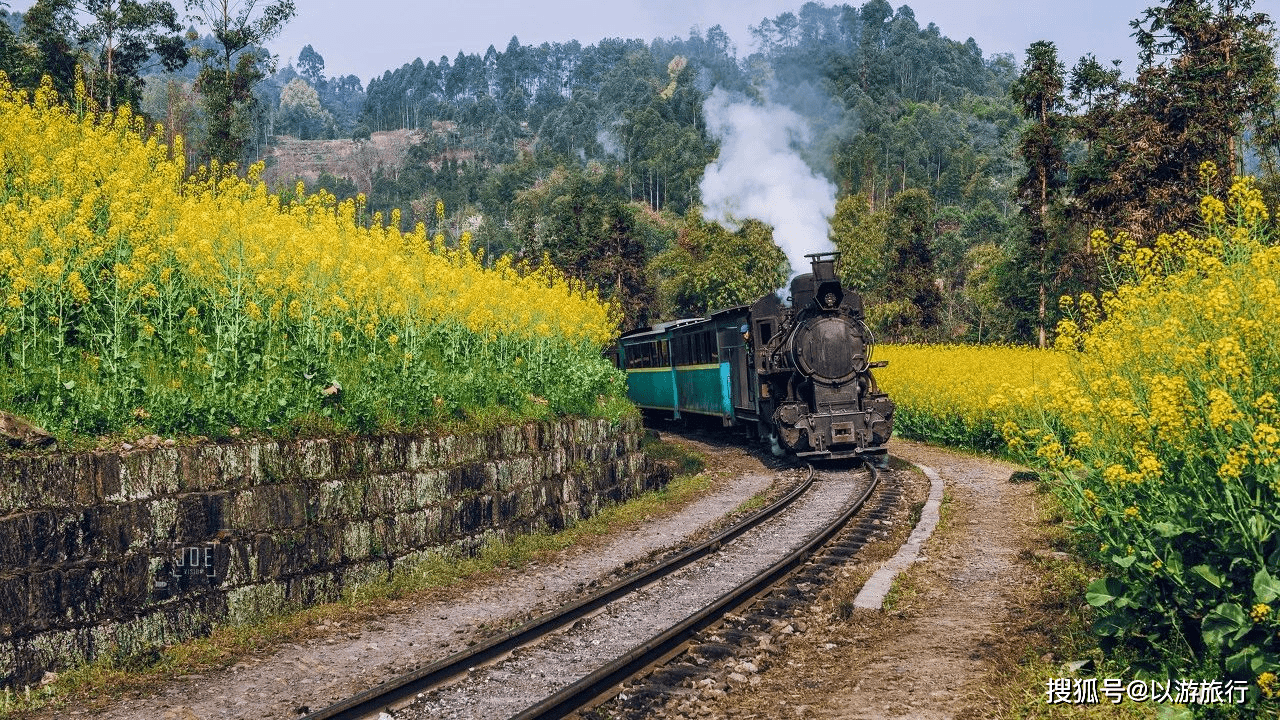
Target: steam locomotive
{"x":796,"y":376}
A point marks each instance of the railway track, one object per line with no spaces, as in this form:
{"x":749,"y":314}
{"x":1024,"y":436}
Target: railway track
{"x":598,"y":684}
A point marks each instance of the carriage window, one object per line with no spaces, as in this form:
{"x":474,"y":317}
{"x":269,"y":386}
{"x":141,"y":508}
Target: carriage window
{"x":664,"y":353}
{"x":712,"y":348}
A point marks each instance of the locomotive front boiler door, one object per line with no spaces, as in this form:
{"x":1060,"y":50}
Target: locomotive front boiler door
{"x":830,"y":349}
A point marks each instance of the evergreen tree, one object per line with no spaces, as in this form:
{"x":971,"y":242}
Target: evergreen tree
{"x":1207,"y":80}
{"x":122,"y":37}
{"x":311,"y":65}
{"x":1039,"y":95}
{"x":910,"y":272}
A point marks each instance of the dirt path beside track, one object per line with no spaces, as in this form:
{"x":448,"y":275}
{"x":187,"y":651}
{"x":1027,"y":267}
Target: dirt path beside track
{"x":928,"y":654}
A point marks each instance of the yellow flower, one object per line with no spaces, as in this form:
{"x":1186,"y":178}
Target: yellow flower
{"x":1267,"y":684}
{"x":1222,"y":410}
{"x":1260,"y":612}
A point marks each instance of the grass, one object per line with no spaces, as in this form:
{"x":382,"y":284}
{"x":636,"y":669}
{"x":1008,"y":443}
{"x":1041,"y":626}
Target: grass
{"x":755,"y":502}
{"x":113,"y":676}
{"x":902,"y":591}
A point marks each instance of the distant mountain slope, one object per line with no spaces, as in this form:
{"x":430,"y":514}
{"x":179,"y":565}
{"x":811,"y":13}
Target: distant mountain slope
{"x":290,"y":159}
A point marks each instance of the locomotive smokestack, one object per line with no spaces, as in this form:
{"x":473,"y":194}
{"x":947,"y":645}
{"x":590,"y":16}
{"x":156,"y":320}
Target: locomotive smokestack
{"x":824,"y":265}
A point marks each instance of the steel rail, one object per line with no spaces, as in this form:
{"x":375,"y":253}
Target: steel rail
{"x":601,"y":683}
{"x":398,"y":689}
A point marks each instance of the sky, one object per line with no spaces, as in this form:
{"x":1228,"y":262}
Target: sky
{"x":369,"y":37}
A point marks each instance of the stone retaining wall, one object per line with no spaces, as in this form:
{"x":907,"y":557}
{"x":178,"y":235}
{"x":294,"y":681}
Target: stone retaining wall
{"x":109,"y":552}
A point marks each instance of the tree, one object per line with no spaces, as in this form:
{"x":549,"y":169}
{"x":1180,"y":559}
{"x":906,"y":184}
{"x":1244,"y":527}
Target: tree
{"x":1038,"y":93}
{"x":982,"y":290}
{"x":859,"y":235}
{"x":311,"y":66}
{"x":228,"y":75}
{"x":1089,"y":79}
{"x":710,"y":268}
{"x":122,"y":37}
{"x":1207,"y":81}
{"x":914,"y":298}
{"x":50,"y":28}
{"x":300,"y":112}
{"x":10,"y":57}
{"x":578,"y":220}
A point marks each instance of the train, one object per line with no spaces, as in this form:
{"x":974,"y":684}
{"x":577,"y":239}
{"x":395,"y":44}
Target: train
{"x":796,"y":376}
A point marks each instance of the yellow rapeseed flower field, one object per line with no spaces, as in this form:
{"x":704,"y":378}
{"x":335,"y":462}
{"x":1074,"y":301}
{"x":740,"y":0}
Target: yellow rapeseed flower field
{"x":1156,"y":420}
{"x":123,"y":281}
{"x":961,"y":395}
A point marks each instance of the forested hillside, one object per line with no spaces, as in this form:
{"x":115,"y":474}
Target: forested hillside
{"x":964,"y":186}
{"x":533,"y":137}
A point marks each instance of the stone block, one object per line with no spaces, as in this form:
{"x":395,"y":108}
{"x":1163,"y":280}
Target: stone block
{"x":106,"y":467}
{"x":51,"y":480}
{"x":46,"y":540}
{"x":241,"y":565}
{"x":46,"y":602}
{"x":413,"y":530}
{"x":15,"y":598}
{"x":16,"y":492}
{"x":201,"y":516}
{"x":366,"y":573}
{"x":15,"y":541}
{"x":429,"y":487}
{"x":243,"y":514}
{"x":340,"y":499}
{"x":255,"y":602}
{"x":357,"y":537}
{"x":506,"y":508}
{"x":288,"y":506}
{"x":389,"y":494}
{"x":315,"y":589}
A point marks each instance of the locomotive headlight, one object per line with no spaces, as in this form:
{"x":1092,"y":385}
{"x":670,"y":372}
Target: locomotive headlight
{"x":829,"y":300}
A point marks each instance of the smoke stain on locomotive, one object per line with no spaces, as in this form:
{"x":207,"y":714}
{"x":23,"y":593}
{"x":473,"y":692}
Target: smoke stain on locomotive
{"x":797,"y":377}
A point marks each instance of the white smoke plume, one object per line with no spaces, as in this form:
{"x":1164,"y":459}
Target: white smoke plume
{"x":760,"y":175}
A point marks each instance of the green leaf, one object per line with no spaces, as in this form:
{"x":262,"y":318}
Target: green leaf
{"x":1259,"y":528}
{"x":1112,"y":624}
{"x":1167,"y":711}
{"x":1240,"y":664}
{"x":1228,"y":619}
{"x":1125,"y":561}
{"x":1265,"y":587}
{"x":1103,"y":590}
{"x":1168,"y":529}
{"x":1213,"y":577}
{"x":1264,"y":662}
{"x":69,"y":384}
